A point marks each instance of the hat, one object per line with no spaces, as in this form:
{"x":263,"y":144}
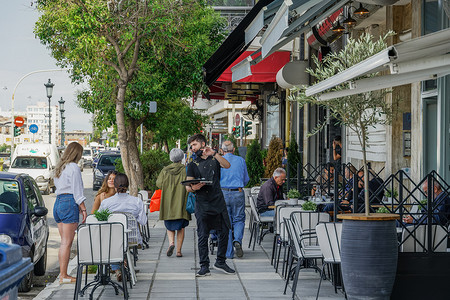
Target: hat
{"x":176,"y":155}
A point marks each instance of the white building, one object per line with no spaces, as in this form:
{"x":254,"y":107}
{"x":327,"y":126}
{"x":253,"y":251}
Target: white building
{"x":38,"y":115}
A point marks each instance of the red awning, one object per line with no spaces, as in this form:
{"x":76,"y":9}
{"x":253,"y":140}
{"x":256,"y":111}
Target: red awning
{"x":264,"y":71}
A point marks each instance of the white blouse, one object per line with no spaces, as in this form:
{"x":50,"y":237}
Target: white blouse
{"x":122,"y":202}
{"x":70,"y":182}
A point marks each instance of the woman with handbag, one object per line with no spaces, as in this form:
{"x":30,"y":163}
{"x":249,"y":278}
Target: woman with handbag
{"x":173,"y":201}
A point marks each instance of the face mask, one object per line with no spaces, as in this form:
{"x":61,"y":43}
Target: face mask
{"x":199,"y":153}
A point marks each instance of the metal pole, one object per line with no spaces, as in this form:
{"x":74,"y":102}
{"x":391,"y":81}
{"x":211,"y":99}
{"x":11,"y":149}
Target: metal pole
{"x":142,"y":138}
{"x":63,"y":132}
{"x":242,"y":131}
{"x":49,"y":122}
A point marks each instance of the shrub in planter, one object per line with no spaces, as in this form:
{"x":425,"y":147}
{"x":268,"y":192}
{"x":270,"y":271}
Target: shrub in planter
{"x":293,"y":194}
{"x":274,"y":156}
{"x":293,"y":156}
{"x":102,"y":215}
{"x":254,"y":163}
{"x":383,"y":210}
{"x":391,"y":193}
{"x":309,"y":206}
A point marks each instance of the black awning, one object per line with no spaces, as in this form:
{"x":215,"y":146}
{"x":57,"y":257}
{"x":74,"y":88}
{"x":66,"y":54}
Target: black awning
{"x":232,"y":47}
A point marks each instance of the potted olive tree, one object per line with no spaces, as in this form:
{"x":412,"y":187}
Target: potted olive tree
{"x":369,"y":242}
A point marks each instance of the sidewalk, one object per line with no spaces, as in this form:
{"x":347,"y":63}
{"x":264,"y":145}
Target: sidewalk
{"x":162,"y":277}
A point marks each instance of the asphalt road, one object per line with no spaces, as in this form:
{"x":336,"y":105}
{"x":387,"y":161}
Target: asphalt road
{"x":39,"y":282}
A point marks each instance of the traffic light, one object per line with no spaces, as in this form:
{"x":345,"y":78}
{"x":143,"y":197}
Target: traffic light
{"x":16,"y":131}
{"x":237,"y":130}
{"x":247,"y":128}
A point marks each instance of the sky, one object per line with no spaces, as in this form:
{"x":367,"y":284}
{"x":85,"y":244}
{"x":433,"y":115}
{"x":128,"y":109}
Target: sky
{"x":21,"y":53}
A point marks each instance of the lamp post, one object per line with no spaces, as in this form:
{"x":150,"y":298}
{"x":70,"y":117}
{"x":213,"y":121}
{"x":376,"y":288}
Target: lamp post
{"x":49,"y":87}
{"x":63,"y":119}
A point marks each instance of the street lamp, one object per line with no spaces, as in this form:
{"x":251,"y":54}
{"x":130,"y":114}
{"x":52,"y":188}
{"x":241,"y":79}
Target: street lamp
{"x":63,"y":119}
{"x":49,"y":87}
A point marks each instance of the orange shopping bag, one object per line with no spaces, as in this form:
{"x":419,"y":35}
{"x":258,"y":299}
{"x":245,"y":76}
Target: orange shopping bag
{"x":155,"y":201}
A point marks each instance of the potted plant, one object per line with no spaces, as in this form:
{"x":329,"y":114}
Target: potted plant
{"x":102,"y":215}
{"x":293,"y":196}
{"x":383,"y":210}
{"x":274,"y":155}
{"x":391,"y":195}
{"x":372,"y":275}
{"x":309,"y":206}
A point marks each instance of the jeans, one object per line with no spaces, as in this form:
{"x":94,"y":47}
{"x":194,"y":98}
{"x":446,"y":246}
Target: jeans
{"x":235,"y":201}
{"x":203,"y":230}
{"x":268,"y":213}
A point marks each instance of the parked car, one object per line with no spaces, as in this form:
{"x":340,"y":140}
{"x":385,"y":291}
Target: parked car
{"x":105,"y":163}
{"x":23,"y":221}
{"x":88,"y":156}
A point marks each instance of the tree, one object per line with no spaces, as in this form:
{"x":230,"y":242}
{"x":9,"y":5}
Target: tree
{"x":254,"y":163}
{"x":357,"y":112}
{"x":293,"y":155}
{"x":130,"y":53}
{"x":274,"y":156}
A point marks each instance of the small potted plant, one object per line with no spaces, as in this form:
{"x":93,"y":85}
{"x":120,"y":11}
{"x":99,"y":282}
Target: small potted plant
{"x":293,"y":196}
{"x":383,"y":210}
{"x":309,"y":206}
{"x":391,"y":195}
{"x":102,"y":215}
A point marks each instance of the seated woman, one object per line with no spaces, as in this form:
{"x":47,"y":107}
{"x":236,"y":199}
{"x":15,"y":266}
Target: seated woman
{"x":123,"y":202}
{"x":107,"y":190}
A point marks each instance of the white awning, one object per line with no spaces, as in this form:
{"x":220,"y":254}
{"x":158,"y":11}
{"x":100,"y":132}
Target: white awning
{"x":423,"y":58}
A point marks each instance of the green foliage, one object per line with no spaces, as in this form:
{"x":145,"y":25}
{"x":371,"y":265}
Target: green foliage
{"x":4,"y":147}
{"x":92,"y":269}
{"x":153,"y":161}
{"x":274,"y":156}
{"x":391,"y":193}
{"x":294,"y":156}
{"x":102,"y":215}
{"x":254,"y":163}
{"x":309,"y":206}
{"x":383,"y":210}
{"x":360,"y":111}
{"x":293,"y":194}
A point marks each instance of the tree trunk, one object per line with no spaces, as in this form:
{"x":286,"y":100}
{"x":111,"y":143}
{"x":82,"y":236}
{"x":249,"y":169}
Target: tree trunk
{"x":166,"y":145}
{"x":136,"y":174}
{"x":366,"y":174}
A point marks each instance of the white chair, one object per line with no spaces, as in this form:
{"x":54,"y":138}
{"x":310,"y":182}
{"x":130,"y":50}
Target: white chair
{"x":91,"y":219}
{"x":414,"y":238}
{"x":145,"y":229}
{"x":329,"y":237}
{"x":255,"y":190}
{"x":129,"y":241}
{"x":100,"y":244}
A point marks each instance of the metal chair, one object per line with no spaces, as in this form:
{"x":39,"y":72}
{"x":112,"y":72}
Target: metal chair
{"x":256,"y":227}
{"x":101,"y":244}
{"x":145,"y":229}
{"x":329,"y":237}
{"x":414,"y":239}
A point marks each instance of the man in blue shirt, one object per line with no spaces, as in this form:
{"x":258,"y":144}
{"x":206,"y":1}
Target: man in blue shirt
{"x":232,"y":181}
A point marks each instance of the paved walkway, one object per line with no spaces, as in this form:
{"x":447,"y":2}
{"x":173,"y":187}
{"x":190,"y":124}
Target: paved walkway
{"x":162,"y":277}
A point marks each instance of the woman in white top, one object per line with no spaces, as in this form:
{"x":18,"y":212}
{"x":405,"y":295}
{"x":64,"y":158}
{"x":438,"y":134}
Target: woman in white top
{"x":69,"y":204}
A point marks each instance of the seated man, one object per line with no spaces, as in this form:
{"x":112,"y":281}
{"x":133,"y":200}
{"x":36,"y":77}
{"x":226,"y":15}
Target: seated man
{"x":270,"y":192}
{"x":325,"y":181}
{"x":441,"y":205}
{"x":344,"y":204}
{"x":375,"y":193}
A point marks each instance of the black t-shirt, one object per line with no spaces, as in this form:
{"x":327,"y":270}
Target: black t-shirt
{"x":210,"y":200}
{"x":338,"y":151}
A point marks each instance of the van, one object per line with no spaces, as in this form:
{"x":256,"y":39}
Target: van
{"x":88,"y":156}
{"x":38,"y":161}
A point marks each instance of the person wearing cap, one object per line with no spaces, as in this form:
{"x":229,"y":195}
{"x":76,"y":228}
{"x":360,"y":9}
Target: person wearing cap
{"x":232,"y":181}
{"x":173,"y":200}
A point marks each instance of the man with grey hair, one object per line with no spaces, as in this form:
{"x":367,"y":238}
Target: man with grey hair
{"x":270,"y":192}
{"x":232,"y":181}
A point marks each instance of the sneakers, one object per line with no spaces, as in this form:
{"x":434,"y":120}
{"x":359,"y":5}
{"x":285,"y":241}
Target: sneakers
{"x":238,"y":249}
{"x":204,"y":271}
{"x":224,"y":268}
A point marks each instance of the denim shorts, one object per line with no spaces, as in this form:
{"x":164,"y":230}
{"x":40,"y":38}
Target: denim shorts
{"x":66,"y":209}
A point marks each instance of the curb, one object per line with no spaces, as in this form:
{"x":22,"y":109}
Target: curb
{"x":48,"y":290}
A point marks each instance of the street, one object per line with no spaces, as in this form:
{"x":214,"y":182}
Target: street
{"x":39,"y":282}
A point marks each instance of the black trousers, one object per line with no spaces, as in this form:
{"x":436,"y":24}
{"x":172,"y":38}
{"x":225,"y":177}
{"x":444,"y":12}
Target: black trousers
{"x":205,"y":224}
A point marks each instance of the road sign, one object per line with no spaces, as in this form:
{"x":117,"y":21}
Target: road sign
{"x":153,"y":107}
{"x":19,"y":121}
{"x":33,"y":128}
{"x":238,"y":120}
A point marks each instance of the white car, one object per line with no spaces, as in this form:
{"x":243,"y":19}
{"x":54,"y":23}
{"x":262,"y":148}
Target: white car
{"x":37,"y":167}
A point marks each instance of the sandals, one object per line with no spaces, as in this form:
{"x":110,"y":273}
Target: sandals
{"x":119,"y":276}
{"x":170,"y":250}
{"x":67,"y":280}
{"x":179,"y":254}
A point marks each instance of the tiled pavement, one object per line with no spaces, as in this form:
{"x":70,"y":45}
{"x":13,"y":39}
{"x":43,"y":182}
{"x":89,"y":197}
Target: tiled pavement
{"x":162,"y":277}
